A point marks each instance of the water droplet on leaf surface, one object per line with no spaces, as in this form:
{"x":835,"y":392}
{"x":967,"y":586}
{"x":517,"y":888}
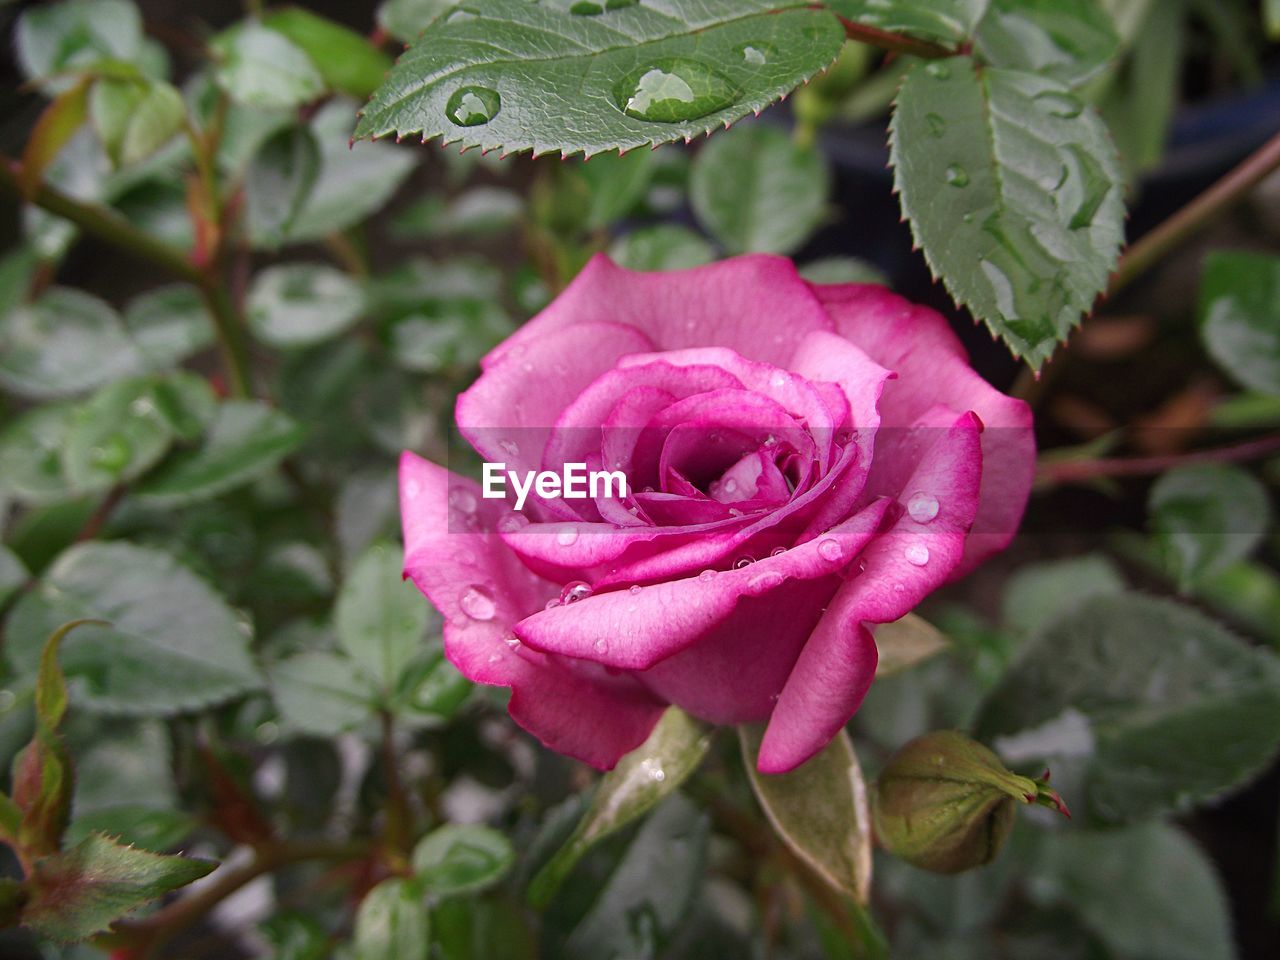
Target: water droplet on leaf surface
{"x":472,"y":106}
{"x":673,"y":90}
{"x":957,"y":176}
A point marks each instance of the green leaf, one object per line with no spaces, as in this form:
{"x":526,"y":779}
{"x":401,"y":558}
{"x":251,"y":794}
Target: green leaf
{"x":82,"y":891}
{"x":1013,"y":190}
{"x":640,"y":781}
{"x":173,"y":643}
{"x":321,"y":693}
{"x":1206,"y":517}
{"x":666,"y":246}
{"x":381,"y":620}
{"x":479,"y":212}
{"x":246,"y":440}
{"x":135,"y":118}
{"x":260,"y":67}
{"x":12,"y":574}
{"x":1271,"y":15}
{"x":55,"y":127}
{"x":393,"y":923}
{"x":540,"y":77}
{"x":947,"y":22}
{"x":31,"y":455}
{"x":348,"y":62}
{"x":820,"y":811}
{"x":65,"y":343}
{"x":356,"y":180}
{"x":615,"y":183}
{"x":77,"y":34}
{"x":456,"y":859}
{"x":1175,"y":905}
{"x":1239,"y":323}
{"x":406,"y":19}
{"x":1069,"y":42}
{"x":431,"y":690}
{"x":278,"y":182}
{"x":1041,"y":593}
{"x":116,"y":436}
{"x":906,"y":642}
{"x":646,"y":900}
{"x":757,"y":190}
{"x":1156,"y":706}
{"x":302,"y":304}
{"x":168,"y":325}
{"x":843,"y":270}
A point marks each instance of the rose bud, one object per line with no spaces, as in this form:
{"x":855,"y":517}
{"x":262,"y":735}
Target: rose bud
{"x":946,"y":803}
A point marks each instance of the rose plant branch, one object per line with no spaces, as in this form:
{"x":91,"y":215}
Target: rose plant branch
{"x":894,"y":42}
{"x":1077,"y":471}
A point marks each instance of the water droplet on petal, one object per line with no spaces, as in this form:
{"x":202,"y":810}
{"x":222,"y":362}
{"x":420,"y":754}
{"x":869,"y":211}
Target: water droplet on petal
{"x":706,"y":576}
{"x":472,"y":106}
{"x":477,"y":603}
{"x":917,"y":554}
{"x":634,"y":589}
{"x":509,"y":447}
{"x":765,"y":581}
{"x":567,"y":537}
{"x":957,"y":176}
{"x":573,"y":592}
{"x":512,"y":642}
{"x":778,"y":379}
{"x":551,"y":604}
{"x":743,"y":562}
{"x":673,"y":90}
{"x":512,"y":523}
{"x":830,"y":550}
{"x":462,"y":499}
{"x":777,"y":551}
{"x":602,"y":645}
{"x":922,"y":507}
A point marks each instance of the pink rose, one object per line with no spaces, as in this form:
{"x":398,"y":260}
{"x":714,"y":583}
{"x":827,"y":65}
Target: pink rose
{"x":804,"y":462}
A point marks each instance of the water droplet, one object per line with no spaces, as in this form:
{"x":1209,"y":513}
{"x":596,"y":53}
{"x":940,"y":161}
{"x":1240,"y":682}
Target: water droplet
{"x":777,"y":551}
{"x":939,"y":71}
{"x":512,"y":642}
{"x":573,"y":592}
{"x":743,"y":562}
{"x":917,"y":554}
{"x":1060,"y":104}
{"x":142,"y":407}
{"x":757,"y":53}
{"x":936,"y":124}
{"x":472,"y":106}
{"x":778,"y":379}
{"x":462,"y":499}
{"x":509,"y":447}
{"x":512,"y":523}
{"x":957,"y":176}
{"x":551,"y":604}
{"x":706,"y":576}
{"x":602,"y":645}
{"x":674,"y":89}
{"x":653,"y":769}
{"x":634,"y":589}
{"x":567,"y":537}
{"x":830,"y":550}
{"x":765,"y":581}
{"x":584,"y":8}
{"x":730,"y":485}
{"x":113,"y":455}
{"x":922,"y":507}
{"x":619,"y":4}
{"x":477,"y":603}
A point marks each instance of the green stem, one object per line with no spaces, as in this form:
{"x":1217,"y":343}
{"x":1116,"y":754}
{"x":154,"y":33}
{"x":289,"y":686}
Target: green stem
{"x":230,"y":330}
{"x":101,"y":222}
{"x":399,"y":825}
{"x":1196,"y":215}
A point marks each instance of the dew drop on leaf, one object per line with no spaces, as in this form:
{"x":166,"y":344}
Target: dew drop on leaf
{"x":1061,"y":105}
{"x":939,"y":71}
{"x":674,"y":89}
{"x":957,"y":176}
{"x":936,"y":124}
{"x":472,"y":106}
{"x":586,"y":9}
{"x":757,"y":52}
{"x":114,"y":453}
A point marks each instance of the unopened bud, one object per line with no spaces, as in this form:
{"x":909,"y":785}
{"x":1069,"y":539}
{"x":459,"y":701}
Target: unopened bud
{"x":946,"y":803}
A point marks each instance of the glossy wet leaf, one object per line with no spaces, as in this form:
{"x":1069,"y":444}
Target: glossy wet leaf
{"x":380,"y":619}
{"x":13,"y":574}
{"x":135,"y":118}
{"x":65,"y":343}
{"x":173,"y":644}
{"x":665,"y":246}
{"x":260,"y":67}
{"x":521,"y":76}
{"x":393,"y":923}
{"x":1154,"y":706}
{"x":819,"y":810}
{"x":1040,"y":593}
{"x":904,"y":643}
{"x":1239,"y":323}
{"x":320,"y":693}
{"x":301,"y":304}
{"x":456,"y":859}
{"x":646,"y":899}
{"x":1206,"y":517}
{"x":756,"y":190}
{"x":1067,"y":41}
{"x":406,"y":19}
{"x":348,"y":62}
{"x":431,"y":690}
{"x":640,"y":781}
{"x":1013,"y":191}
{"x":245,"y":440}
{"x":355,"y":181}
{"x":81,"y":891}
{"x":278,"y":182}
{"x":31,"y":447}
{"x":117,"y":435}
{"x":948,"y":22}
{"x":168,"y":325}
{"x":1175,"y":904}
{"x":54,"y":37}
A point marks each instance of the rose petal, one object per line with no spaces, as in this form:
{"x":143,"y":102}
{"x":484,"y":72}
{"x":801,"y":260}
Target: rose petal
{"x":902,"y":566}
{"x":482,"y":589}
